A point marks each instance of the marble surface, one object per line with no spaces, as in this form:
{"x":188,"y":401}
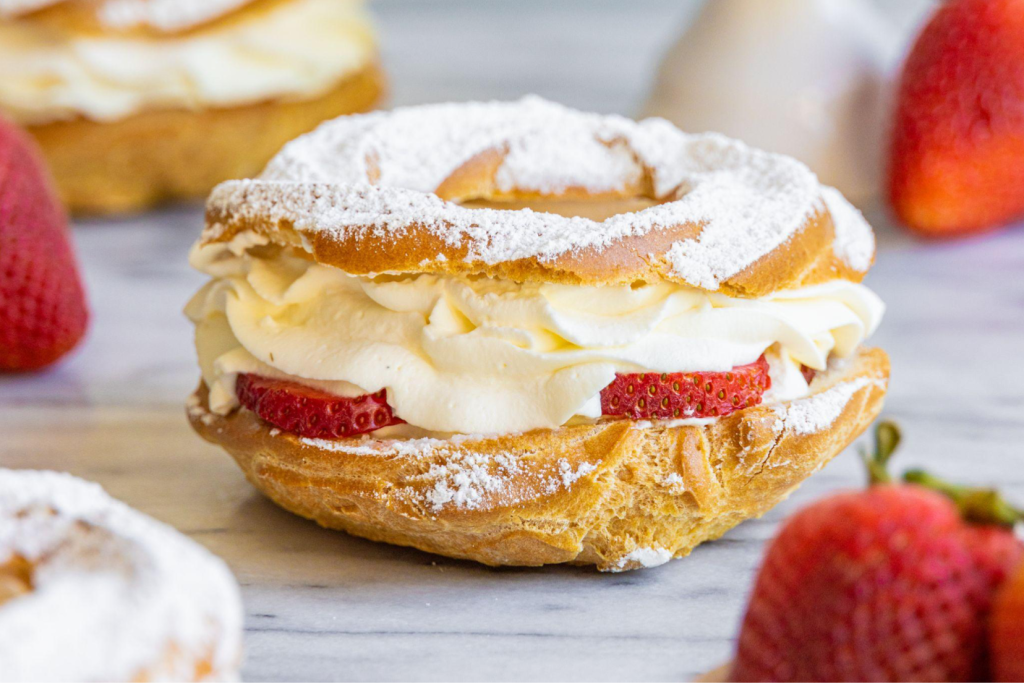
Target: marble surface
{"x":324,"y":606}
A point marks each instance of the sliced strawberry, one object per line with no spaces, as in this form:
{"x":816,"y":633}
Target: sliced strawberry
{"x":686,"y":395}
{"x":309,"y":412}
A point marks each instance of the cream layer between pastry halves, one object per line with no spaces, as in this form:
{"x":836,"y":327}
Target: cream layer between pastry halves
{"x":488,"y":356}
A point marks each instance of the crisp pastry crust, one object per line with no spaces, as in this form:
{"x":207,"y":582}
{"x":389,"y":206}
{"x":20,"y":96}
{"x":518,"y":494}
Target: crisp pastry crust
{"x":381,"y":193}
{"x":155,"y":156}
{"x":92,"y":590}
{"x":619,"y":494}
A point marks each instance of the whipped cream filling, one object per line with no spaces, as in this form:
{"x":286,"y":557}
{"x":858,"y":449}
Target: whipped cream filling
{"x":481,"y":355}
{"x":297,"y":50}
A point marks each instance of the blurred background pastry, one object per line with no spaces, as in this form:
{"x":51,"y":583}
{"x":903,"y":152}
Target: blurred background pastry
{"x":815,"y":72}
{"x":91,"y":590}
{"x":139,"y":101}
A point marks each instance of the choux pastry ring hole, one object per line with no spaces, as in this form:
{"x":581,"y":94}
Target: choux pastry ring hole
{"x":595,"y":209}
{"x":472,"y":186}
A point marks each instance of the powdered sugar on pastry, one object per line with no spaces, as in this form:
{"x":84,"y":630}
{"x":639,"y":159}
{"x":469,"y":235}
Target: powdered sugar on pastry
{"x":378,"y":173}
{"x":819,"y":411}
{"x":674,"y":482}
{"x":465,"y":479}
{"x":114,"y":596}
{"x":855,"y":241}
{"x":645,"y":557}
{"x":461,"y":478}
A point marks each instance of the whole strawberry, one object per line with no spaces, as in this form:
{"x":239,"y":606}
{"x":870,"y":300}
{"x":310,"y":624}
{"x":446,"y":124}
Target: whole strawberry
{"x":889,"y":584}
{"x":956,"y":162}
{"x":43,"y":313}
{"x":1007,"y":631}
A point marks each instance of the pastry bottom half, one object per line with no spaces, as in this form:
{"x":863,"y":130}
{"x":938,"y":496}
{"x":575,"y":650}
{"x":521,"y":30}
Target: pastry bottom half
{"x":618,"y":494}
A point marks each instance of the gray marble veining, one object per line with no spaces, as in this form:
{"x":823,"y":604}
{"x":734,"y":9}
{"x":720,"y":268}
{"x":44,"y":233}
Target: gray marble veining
{"x":324,"y":606}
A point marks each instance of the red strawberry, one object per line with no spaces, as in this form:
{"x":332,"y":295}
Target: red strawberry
{"x":686,"y":395}
{"x":956,"y":163}
{"x":309,"y":412}
{"x":808,"y":373}
{"x":43,"y":313}
{"x":888,"y":584}
{"x":1007,"y":631}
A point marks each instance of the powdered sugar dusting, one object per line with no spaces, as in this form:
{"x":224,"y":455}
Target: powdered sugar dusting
{"x":750,"y":202}
{"x":111,"y":589}
{"x":674,"y":482}
{"x":854,"y":242}
{"x":646,"y":557}
{"x":462,"y":479}
{"x":469,"y":480}
{"x":196,"y":410}
{"x":569,"y":476}
{"x":376,"y":174}
{"x":547,"y":148}
{"x":401,"y":447}
{"x":818,"y":412}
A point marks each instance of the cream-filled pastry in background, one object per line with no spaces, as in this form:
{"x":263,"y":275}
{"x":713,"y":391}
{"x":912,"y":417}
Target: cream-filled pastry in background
{"x":522,"y":334}
{"x":139,"y":101}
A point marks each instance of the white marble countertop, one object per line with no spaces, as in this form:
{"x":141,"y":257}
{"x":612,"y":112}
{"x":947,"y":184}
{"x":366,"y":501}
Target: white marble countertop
{"x":323,"y":606}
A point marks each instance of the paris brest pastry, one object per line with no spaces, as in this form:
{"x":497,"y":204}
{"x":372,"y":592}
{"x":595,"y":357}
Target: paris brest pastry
{"x":92,"y":590}
{"x":139,"y":101}
{"x":521,"y":334}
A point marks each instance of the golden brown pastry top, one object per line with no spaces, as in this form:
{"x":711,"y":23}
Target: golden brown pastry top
{"x":413,"y":191}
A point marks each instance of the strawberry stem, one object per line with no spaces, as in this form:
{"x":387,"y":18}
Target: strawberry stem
{"x":977,"y":505}
{"x":887,"y":438}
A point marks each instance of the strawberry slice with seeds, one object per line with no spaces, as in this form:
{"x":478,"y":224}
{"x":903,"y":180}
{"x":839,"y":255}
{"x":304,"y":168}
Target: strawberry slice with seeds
{"x":309,"y":412}
{"x":686,"y":395}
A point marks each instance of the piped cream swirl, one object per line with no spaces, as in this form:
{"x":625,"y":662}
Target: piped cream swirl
{"x":480,"y":355}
